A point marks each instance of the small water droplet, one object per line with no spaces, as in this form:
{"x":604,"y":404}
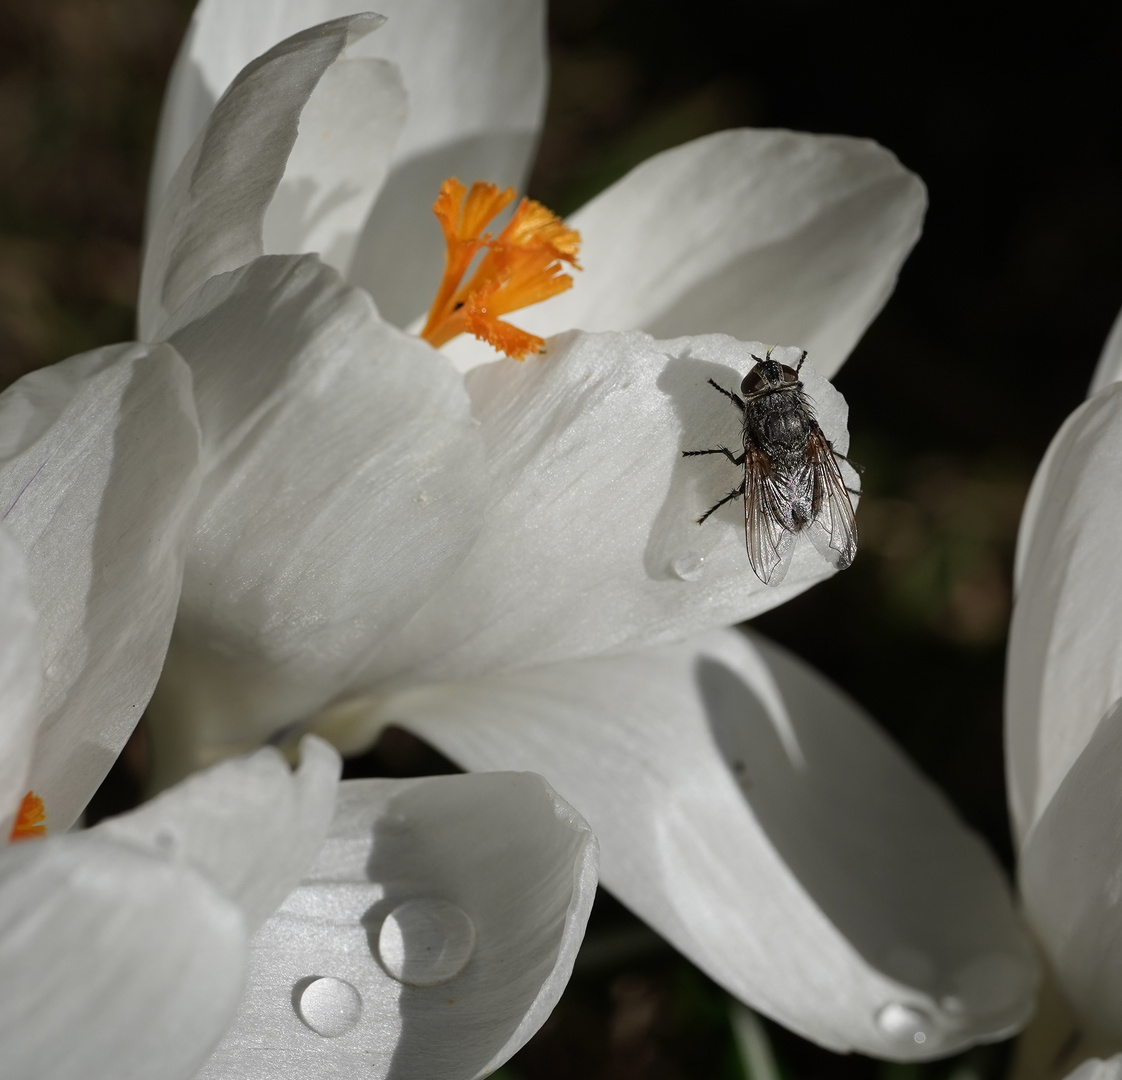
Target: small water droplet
{"x":329,"y":1006}
{"x":904,"y":1023}
{"x":426,"y":942}
{"x":687,"y":566}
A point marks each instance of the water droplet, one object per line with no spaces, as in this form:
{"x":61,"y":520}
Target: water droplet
{"x":329,"y":1006}
{"x":687,"y":566}
{"x":904,"y":1023}
{"x":426,"y":942}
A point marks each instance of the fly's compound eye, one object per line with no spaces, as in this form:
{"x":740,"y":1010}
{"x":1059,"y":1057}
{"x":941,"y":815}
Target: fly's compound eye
{"x":753,"y":382}
{"x":790,"y":375}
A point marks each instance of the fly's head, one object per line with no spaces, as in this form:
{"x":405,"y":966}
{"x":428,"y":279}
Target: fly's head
{"x":769,"y":375}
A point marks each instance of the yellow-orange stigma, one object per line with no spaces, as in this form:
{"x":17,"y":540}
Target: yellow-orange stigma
{"x":519,"y":267}
{"x":29,"y":819}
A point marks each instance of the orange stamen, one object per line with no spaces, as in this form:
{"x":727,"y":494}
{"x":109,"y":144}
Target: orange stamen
{"x":519,"y":267}
{"x":29,"y":819}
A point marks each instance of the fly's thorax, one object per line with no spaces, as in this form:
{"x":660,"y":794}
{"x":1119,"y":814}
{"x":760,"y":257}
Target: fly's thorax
{"x":778,"y":423}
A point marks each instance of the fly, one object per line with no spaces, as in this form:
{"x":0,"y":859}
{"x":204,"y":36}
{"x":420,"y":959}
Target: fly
{"x":792,"y":480}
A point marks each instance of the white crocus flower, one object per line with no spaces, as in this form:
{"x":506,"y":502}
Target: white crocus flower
{"x":506,"y":561}
{"x":1063,"y":715}
{"x":125,"y":948}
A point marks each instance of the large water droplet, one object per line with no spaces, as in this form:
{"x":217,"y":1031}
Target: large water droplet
{"x":904,"y":1023}
{"x":687,"y":566}
{"x":329,"y":1006}
{"x":426,"y":942}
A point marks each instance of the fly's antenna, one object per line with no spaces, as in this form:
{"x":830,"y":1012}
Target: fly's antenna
{"x":770,"y":348}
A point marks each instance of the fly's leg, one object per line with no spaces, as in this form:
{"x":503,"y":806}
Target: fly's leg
{"x":739,"y":403}
{"x":728,"y":498}
{"x":719,"y":450}
{"x":799,"y":366}
{"x":734,"y":398}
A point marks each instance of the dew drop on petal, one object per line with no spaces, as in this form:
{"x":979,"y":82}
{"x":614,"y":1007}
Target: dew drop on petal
{"x":904,"y":1023}
{"x":329,"y":1006}
{"x":426,"y":942}
{"x":688,"y":566}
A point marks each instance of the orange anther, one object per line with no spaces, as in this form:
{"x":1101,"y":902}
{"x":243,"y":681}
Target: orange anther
{"x":29,"y":819}
{"x":519,"y":267}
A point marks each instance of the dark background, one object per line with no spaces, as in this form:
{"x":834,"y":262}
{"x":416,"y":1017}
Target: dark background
{"x":987,"y":344}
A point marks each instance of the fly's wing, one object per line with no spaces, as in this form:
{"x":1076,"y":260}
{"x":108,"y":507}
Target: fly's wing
{"x":770,"y":543}
{"x":833,"y":530}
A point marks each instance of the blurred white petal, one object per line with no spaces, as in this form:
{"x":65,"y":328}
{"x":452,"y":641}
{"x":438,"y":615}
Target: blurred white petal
{"x":1071,"y":881}
{"x":1109,"y":367}
{"x":475,"y":888}
{"x":214,"y":215}
{"x":344,"y":483}
{"x":1065,"y":661}
{"x":757,"y":819}
{"x":769,"y":235}
{"x":1097,"y":1069}
{"x":250,"y":825}
{"x":113,"y":965}
{"x":98,"y":478}
{"x":591,"y":541}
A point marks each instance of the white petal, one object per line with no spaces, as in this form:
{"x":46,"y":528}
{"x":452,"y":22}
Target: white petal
{"x":344,"y":485}
{"x":98,"y":477}
{"x":1071,"y":881}
{"x":250,"y":826}
{"x":1065,"y":650}
{"x":113,"y":965}
{"x":20,"y":679}
{"x":591,"y":539}
{"x":498,"y":875}
{"x":1109,"y":367}
{"x":214,"y":215}
{"x":765,"y":235}
{"x":475,"y":72}
{"x":758,"y":819}
{"x":1097,"y":1069}
{"x":338,"y":163}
